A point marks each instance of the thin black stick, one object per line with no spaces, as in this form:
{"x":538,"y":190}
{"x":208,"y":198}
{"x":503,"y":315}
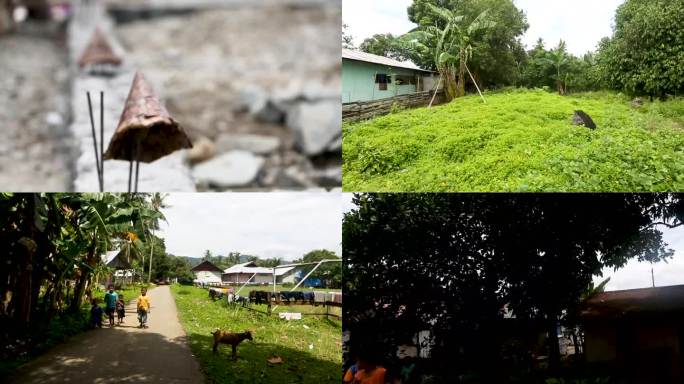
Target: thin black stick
{"x":137,"y":169}
{"x":101,"y":141}
{"x":137,"y":162}
{"x":92,"y":127}
{"x":130,"y":175}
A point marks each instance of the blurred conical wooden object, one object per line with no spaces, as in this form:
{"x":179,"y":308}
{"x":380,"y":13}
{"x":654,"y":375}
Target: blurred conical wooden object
{"x":146,"y":131}
{"x":98,"y":52}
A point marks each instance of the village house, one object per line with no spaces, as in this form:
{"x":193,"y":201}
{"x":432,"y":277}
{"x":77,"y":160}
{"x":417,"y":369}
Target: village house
{"x":638,"y":332}
{"x":367,"y":77}
{"x":118,"y":261}
{"x":207,"y":273}
{"x":250,"y":272}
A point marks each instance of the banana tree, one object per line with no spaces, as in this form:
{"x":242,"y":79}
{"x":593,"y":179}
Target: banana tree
{"x":558,"y":58}
{"x":451,"y":46}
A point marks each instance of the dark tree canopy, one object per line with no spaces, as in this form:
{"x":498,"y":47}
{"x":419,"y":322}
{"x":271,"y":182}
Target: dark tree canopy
{"x":646,"y":51}
{"x":450,"y":263}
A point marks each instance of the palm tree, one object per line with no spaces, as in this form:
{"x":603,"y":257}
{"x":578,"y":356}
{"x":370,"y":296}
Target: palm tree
{"x":558,"y":58}
{"x":451,"y":45}
{"x":156,"y":204}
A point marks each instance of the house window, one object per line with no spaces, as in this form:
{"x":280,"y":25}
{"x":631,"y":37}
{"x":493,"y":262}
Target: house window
{"x":405,"y":80}
{"x":382,"y":80}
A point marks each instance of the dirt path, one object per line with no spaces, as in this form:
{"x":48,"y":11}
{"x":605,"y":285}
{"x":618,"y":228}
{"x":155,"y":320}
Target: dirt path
{"x":124,"y":354}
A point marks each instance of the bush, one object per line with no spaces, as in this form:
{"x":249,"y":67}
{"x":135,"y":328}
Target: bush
{"x":520,"y":141}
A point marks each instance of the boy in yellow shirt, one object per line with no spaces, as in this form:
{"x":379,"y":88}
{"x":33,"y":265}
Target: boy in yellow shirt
{"x":143,"y":307}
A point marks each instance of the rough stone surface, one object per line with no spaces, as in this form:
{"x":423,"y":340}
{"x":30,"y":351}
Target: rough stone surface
{"x":230,"y":170}
{"x":242,"y":70}
{"x":258,"y":144}
{"x":36,"y":149}
{"x":581,"y":118}
{"x":316,"y":125}
{"x":203,"y":149}
{"x":257,"y":102}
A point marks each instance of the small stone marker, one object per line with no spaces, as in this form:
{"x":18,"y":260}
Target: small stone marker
{"x":581,"y":118}
{"x":275,"y":360}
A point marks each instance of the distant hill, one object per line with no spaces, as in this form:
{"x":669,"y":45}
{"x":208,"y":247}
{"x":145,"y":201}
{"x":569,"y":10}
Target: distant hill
{"x":193,"y":261}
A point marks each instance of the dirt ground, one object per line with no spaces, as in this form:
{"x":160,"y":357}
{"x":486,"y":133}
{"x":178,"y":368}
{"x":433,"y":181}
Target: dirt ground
{"x":124,"y":354}
{"x":206,"y":60}
{"x":36,"y":149}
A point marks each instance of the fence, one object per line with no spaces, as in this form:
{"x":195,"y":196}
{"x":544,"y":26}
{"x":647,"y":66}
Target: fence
{"x":362,"y":110}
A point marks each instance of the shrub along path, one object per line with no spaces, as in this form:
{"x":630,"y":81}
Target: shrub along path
{"x":124,"y":354}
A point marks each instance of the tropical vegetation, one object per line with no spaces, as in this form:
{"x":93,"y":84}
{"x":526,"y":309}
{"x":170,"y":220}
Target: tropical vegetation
{"x":53,"y":245}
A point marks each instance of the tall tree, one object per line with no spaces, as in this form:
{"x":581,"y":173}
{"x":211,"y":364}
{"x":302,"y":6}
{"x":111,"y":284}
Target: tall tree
{"x":450,"y":45}
{"x":645,"y":53}
{"x":559,"y":59}
{"x":386,"y":45}
{"x":495,"y":61}
{"x":450,"y":263}
{"x":347,"y":39}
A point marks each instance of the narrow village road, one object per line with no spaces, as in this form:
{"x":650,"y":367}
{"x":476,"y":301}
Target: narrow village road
{"x":123,"y":354}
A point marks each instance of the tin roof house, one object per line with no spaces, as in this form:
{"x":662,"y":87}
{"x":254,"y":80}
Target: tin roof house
{"x":638,"y":333}
{"x":207,"y":273}
{"x":367,"y":77}
{"x":250,"y":272}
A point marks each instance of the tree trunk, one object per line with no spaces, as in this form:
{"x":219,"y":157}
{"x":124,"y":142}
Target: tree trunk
{"x":149,"y":276}
{"x":22,"y":298}
{"x":6,"y":18}
{"x":83,"y":279}
{"x":554,"y":345}
{"x":460,"y":89}
{"x":38,"y":9}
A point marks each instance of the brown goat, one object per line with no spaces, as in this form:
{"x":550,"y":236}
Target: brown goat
{"x":221,"y":337}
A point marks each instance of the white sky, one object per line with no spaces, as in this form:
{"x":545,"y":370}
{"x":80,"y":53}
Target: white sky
{"x":274,"y":224}
{"x":634,"y":274}
{"x":581,"y":23}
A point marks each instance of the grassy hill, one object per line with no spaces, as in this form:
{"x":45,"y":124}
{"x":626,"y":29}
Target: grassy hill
{"x":521,"y":140}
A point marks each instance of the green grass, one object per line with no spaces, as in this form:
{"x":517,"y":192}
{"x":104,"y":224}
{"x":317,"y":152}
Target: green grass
{"x":310,"y":348}
{"x":521,"y":140}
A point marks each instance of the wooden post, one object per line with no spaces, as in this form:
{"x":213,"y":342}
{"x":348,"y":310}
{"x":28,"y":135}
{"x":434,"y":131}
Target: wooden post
{"x":475,"y":82}
{"x":436,"y":90}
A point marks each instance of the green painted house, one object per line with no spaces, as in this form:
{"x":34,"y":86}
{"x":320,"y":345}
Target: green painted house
{"x":367,"y":77}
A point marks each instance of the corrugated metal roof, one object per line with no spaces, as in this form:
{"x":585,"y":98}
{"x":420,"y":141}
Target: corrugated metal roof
{"x":376,"y":59}
{"x":206,"y":266}
{"x":616,"y":304}
{"x":251,"y":268}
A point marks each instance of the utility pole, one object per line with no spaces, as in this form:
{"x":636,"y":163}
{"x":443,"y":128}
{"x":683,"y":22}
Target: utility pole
{"x":652,"y":277}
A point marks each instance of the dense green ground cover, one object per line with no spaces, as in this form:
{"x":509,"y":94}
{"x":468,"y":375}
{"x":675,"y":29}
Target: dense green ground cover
{"x":310,"y":348}
{"x":521,"y":140}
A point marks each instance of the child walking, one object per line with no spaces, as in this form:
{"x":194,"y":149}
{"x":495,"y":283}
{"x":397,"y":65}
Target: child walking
{"x":143,"y":307}
{"x":120,"y":309}
{"x":96,"y":315}
{"x":110,"y":304}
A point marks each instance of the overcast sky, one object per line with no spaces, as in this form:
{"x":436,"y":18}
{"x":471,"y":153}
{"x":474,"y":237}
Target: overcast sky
{"x":581,"y":23}
{"x":634,"y":274}
{"x":285,"y":225}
